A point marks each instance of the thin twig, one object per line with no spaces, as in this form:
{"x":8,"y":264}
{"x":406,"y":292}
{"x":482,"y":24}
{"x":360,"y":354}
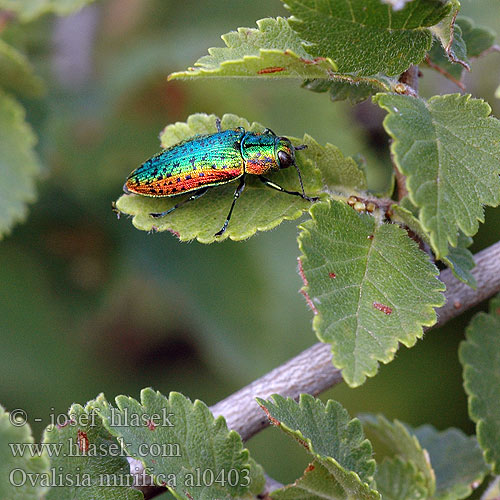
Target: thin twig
{"x":312,"y":370}
{"x":271,"y":485}
{"x":445,"y":73}
{"x":489,"y":50}
{"x":458,"y":83}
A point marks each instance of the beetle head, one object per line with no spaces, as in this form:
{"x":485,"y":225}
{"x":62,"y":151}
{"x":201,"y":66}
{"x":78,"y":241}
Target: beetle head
{"x":285,"y":152}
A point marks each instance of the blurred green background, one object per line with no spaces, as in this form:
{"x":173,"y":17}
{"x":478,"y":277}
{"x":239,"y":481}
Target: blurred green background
{"x":89,"y":304}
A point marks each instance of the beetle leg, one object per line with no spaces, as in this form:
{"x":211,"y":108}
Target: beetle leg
{"x":299,"y":148}
{"x":268,"y":131}
{"x":217,"y":124}
{"x":273,"y":185}
{"x":193,"y":197}
{"x":237,"y":194}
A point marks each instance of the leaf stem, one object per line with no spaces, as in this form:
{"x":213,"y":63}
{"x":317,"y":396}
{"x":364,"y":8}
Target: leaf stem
{"x":445,"y":73}
{"x":400,"y":183}
{"x":410,"y":79}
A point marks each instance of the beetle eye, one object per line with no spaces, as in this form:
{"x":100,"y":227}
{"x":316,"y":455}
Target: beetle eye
{"x":285,"y":159}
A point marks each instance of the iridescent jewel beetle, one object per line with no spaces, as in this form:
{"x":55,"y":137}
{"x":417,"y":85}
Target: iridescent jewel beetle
{"x":205,"y":161}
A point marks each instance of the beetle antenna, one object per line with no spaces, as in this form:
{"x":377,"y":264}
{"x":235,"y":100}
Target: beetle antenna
{"x":299,"y":148}
{"x":300,"y":180}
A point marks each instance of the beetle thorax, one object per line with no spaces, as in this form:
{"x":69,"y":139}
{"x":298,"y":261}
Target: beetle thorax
{"x":259,"y":153}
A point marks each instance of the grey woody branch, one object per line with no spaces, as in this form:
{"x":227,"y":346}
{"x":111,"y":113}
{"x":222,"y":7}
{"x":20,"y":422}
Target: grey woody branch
{"x":312,"y":370}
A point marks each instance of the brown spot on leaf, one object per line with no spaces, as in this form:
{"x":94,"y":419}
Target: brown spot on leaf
{"x":66,"y":423}
{"x":381,"y":307}
{"x":271,"y":69}
{"x":316,"y":60}
{"x":303,"y":443}
{"x":302,"y":290}
{"x":175,"y":233}
{"x":332,"y":275}
{"x":271,"y":418}
{"x":301,"y":272}
{"x":303,"y":60}
{"x":83,"y":441}
{"x":309,"y":301}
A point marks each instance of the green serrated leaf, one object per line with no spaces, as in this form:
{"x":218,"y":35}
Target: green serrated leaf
{"x":480,"y":358}
{"x":409,"y":206}
{"x":92,"y":465}
{"x":459,"y":259}
{"x":338,"y":172}
{"x":449,"y":150}
{"x":258,"y":209}
{"x":366,"y":37}
{"x":477,"y":38}
{"x":444,"y":30}
{"x":18,"y":462}
{"x":454,"y":62}
{"x":347,"y":259}
{"x":200,"y":458}
{"x":468,"y":41}
{"x":16,"y":72}
{"x":19,"y":165}
{"x":354,"y":89}
{"x":272,"y":50}
{"x":319,"y":482}
{"x":343,"y":464}
{"x":393,"y":440}
{"x":457,"y":53}
{"x":327,"y":429}
{"x":399,"y":480}
{"x":403,"y":215}
{"x":27,"y":10}
{"x":456,"y":459}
